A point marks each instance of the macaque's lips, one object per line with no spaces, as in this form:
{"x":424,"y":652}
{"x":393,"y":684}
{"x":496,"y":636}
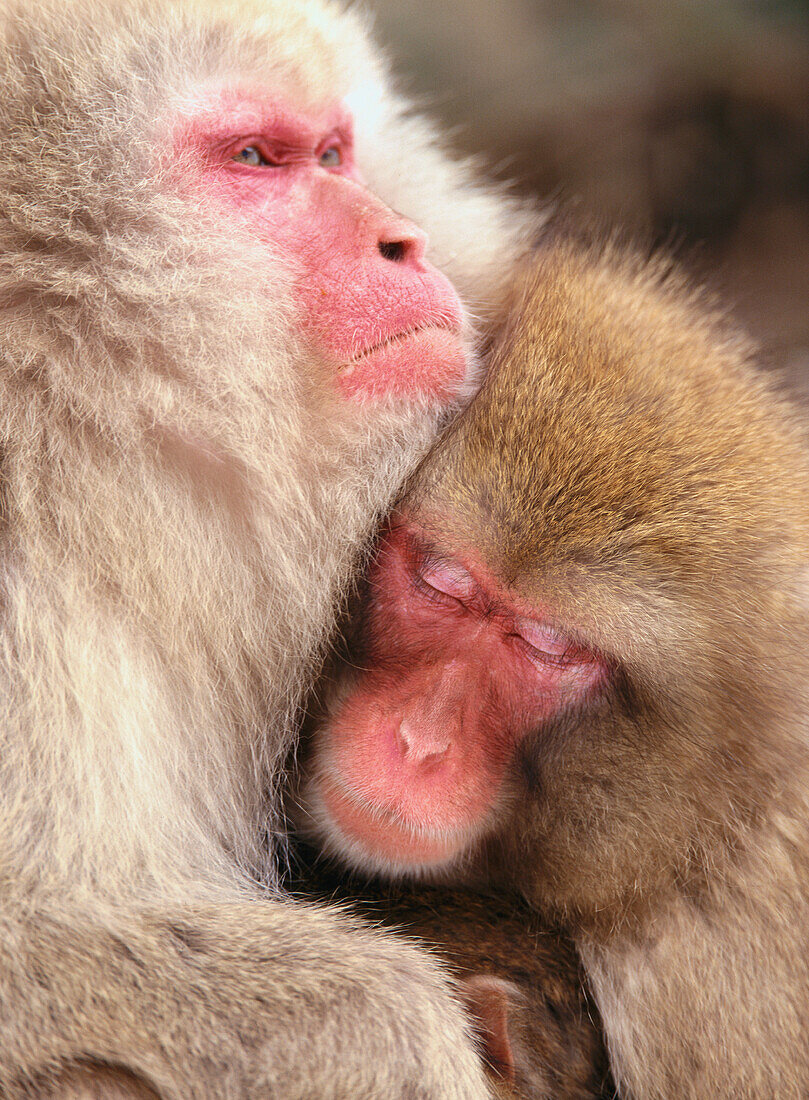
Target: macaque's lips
{"x":397,"y":338}
{"x":429,"y":360}
{"x":380,"y":832}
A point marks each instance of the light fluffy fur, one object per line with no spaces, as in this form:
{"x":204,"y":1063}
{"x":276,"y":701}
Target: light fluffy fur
{"x":183,"y":503}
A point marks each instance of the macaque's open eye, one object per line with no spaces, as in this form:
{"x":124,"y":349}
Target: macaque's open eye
{"x":253,"y":157}
{"x":444,"y":581}
{"x":331,"y":157}
{"x":544,"y":644}
{"x":250,"y":155}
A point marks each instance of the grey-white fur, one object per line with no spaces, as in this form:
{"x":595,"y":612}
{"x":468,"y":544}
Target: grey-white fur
{"x":183,"y":507}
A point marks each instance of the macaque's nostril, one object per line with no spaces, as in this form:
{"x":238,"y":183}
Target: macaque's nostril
{"x":393,"y":250}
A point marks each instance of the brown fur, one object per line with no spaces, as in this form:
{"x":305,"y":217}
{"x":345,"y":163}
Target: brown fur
{"x":627,"y":470}
{"x":553,"y":1026}
{"x":184,"y":501}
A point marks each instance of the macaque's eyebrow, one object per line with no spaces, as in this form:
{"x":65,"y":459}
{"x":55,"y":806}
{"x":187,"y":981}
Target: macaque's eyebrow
{"x":426,"y":550}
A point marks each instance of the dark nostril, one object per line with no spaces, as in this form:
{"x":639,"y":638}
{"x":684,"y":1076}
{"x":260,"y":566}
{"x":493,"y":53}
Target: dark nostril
{"x":392,"y":250}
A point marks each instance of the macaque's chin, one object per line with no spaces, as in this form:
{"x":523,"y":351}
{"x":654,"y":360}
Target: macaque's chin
{"x":375,"y":836}
{"x":430,"y":363}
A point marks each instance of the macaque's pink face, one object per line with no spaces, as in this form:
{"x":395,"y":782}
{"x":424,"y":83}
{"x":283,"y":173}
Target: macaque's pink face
{"x":413,"y":762}
{"x":387,"y":321}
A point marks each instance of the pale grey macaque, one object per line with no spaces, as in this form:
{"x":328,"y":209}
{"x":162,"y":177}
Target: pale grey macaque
{"x":236,"y":277}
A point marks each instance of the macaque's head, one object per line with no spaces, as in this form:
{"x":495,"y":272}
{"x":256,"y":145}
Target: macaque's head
{"x":239,"y":198}
{"x":580,"y":628}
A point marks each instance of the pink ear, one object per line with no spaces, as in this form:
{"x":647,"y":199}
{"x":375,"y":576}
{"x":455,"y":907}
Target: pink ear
{"x":489,"y":1001}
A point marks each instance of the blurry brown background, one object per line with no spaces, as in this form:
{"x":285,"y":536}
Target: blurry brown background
{"x":687,"y":120}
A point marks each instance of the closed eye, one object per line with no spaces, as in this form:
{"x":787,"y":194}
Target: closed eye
{"x":436,"y":595}
{"x":448,"y":579}
{"x":546,"y":657}
{"x":544,"y":644}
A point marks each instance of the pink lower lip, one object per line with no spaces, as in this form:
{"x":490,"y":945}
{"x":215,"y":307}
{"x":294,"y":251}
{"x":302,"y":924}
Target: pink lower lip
{"x":429,"y":362}
{"x":398,"y":338}
{"x":386,"y":838}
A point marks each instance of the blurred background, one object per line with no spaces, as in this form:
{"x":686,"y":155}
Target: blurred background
{"x":685,"y":120}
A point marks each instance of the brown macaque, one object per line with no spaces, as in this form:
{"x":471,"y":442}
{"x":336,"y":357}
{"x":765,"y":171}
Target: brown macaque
{"x":581,"y":672}
{"x":236,"y":274}
{"x":521,"y":980}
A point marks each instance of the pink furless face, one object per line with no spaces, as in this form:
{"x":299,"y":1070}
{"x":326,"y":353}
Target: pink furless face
{"x":388,"y":321}
{"x":411,"y":765}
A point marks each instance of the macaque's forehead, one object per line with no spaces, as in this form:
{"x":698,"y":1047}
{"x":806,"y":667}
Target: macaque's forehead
{"x":457,"y":526}
{"x":613,"y":434}
{"x":223,"y":109}
{"x":449,"y":531}
{"x":308,"y":53}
